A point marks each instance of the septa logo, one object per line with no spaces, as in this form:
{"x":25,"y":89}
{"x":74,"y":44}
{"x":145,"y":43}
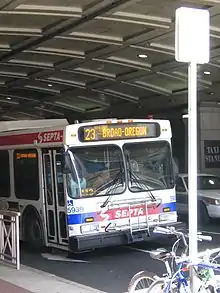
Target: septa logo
{"x":127,"y":212}
{"x":132,"y":212}
{"x":50,"y":136}
{"x":104,"y":216}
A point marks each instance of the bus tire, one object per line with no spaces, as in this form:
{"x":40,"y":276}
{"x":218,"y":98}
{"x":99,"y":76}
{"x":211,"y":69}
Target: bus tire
{"x":33,"y":232}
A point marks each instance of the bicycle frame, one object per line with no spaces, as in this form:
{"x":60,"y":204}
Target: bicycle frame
{"x":210,"y":266}
{"x":178,"y":277}
{"x":181,"y":279}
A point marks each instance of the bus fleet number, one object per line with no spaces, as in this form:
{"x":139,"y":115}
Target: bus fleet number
{"x":74,"y":210}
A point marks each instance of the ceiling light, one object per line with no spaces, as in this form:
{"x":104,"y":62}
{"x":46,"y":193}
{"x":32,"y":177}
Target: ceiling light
{"x":50,"y":85}
{"x":142,"y":55}
{"x":207,"y":72}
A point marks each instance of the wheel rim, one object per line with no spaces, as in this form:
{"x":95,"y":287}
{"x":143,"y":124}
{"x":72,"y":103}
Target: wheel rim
{"x":141,"y":285}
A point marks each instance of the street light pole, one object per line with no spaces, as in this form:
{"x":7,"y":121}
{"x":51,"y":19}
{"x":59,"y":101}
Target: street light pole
{"x":192,"y":46}
{"x":192,"y":166}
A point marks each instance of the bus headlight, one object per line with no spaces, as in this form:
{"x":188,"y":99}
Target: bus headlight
{"x":88,"y":228}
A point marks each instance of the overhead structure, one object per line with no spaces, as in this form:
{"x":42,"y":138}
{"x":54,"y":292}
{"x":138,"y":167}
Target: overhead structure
{"x":92,"y":58}
{"x":6,"y":126}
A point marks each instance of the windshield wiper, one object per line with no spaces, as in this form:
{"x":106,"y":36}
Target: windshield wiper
{"x":139,"y":184}
{"x":114,"y":185}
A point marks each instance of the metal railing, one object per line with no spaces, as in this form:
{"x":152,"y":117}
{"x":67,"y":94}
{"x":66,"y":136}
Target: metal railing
{"x":9,"y":237}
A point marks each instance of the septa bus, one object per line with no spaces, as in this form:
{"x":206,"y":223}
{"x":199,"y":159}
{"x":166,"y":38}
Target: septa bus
{"x":88,"y":185}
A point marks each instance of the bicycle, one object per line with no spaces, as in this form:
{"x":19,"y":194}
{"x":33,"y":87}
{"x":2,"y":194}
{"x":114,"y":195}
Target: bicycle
{"x":166,"y":257}
{"x":207,"y":268}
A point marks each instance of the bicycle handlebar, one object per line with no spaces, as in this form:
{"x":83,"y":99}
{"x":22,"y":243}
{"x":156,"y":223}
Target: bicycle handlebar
{"x":204,"y":237}
{"x":172,"y":231}
{"x":201,"y":255}
{"x":205,"y":255}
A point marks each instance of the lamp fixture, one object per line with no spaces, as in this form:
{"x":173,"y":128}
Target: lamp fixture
{"x":143,"y":56}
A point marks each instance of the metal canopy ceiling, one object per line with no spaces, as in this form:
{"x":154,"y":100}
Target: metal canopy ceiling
{"x":78,"y":58}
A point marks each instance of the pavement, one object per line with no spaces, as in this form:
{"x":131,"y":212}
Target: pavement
{"x":29,"y":280}
{"x":6,"y":287}
{"x":106,"y":270}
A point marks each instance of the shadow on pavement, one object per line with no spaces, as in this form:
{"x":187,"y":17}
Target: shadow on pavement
{"x":110,"y":269}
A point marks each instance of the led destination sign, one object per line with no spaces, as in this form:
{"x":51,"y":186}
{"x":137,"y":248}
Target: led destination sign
{"x":119,"y":131}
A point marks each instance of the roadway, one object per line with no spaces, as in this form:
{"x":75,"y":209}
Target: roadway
{"x":108,"y":269}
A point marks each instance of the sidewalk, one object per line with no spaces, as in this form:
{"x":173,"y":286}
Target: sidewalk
{"x":29,"y":280}
{"x":6,"y":287}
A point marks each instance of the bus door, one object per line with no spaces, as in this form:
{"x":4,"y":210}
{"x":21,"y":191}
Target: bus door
{"x":54,"y":197}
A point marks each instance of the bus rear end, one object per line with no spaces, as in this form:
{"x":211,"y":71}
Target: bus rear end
{"x":120,"y":182}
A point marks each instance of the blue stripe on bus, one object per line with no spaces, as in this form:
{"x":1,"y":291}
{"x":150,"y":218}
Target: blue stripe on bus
{"x":170,"y":205}
{"x":79,"y":218}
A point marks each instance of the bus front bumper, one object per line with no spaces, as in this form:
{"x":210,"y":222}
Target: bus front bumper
{"x":115,"y":238}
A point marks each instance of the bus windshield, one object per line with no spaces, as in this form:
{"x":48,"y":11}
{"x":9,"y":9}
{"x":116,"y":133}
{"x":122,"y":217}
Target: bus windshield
{"x":149,"y":166}
{"x":98,"y":170}
{"x":109,"y":170}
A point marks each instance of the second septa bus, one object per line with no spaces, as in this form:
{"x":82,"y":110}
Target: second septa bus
{"x":88,"y":185}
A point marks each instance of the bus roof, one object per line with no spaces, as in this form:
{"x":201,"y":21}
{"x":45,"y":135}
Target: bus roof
{"x":57,"y":132}
{"x":7,"y":126}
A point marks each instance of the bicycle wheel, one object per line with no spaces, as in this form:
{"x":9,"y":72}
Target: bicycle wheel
{"x":141,"y":281}
{"x":160,"y":286}
{"x":157,"y":286}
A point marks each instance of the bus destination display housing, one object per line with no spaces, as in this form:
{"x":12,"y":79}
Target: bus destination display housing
{"x":117,"y":131}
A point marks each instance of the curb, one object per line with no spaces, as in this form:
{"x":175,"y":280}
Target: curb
{"x":38,"y":281}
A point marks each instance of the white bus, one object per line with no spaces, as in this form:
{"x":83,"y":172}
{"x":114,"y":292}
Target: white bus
{"x":88,"y":185}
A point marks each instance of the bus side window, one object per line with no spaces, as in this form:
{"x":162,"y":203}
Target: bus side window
{"x":26,"y":174}
{"x":4,"y":174}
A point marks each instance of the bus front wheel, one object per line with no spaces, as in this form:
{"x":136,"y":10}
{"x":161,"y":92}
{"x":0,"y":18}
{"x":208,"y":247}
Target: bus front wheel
{"x":33,"y":232}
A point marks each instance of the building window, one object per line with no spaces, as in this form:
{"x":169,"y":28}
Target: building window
{"x":26,"y":174}
{"x":4,"y":174}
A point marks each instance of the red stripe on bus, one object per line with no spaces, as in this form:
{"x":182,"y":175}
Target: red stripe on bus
{"x":54,"y":136}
